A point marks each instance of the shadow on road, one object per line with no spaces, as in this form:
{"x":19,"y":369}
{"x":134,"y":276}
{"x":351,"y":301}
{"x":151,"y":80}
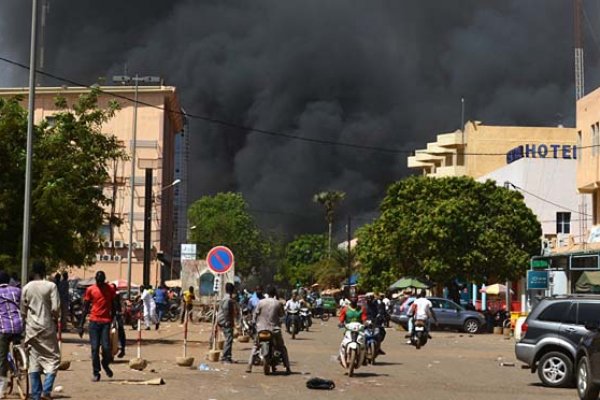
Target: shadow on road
{"x":388,"y":363}
{"x":367,"y":375}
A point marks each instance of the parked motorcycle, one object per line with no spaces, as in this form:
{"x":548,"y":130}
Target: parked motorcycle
{"x":172,"y":313}
{"x":133,"y":312}
{"x":372,"y":341}
{"x":419,"y":335}
{"x":268,"y":354}
{"x":352,"y":348}
{"x":305,"y":319}
{"x":293,"y":323}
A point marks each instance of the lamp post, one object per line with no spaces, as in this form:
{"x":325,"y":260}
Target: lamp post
{"x":124,"y":79}
{"x":29,"y":149}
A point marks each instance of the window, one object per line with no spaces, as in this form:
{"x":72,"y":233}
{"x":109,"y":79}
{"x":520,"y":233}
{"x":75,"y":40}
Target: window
{"x":588,"y":312}
{"x":563,"y":222}
{"x":579,"y":146}
{"x":595,"y":139}
{"x":555,"y":312}
{"x":571,"y":317}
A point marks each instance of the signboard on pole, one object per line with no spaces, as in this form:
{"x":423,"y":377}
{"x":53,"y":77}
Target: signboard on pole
{"x":537,"y":280}
{"x":220,"y":259}
{"x":188,"y":251}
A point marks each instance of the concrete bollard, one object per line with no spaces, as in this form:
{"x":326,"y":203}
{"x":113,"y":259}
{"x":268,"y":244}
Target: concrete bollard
{"x":185,"y":361}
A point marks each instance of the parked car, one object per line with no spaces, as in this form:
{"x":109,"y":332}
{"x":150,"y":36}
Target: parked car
{"x":449,"y":315}
{"x":588,"y":363}
{"x":551,"y":334}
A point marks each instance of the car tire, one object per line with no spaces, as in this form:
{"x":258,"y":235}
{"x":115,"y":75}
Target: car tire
{"x":586,"y":389}
{"x":471,"y":325}
{"x":555,"y":369}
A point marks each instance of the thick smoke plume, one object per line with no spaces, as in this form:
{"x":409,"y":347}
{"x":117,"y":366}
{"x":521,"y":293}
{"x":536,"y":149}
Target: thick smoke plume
{"x":382,"y":73}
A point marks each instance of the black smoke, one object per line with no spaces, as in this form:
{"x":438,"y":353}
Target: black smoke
{"x":383,"y":73}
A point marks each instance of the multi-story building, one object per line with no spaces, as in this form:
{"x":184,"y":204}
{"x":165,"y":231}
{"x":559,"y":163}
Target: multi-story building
{"x":480,"y":149}
{"x":156,"y":131}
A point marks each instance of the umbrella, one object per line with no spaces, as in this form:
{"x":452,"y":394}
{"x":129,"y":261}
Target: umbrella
{"x":495,"y":290}
{"x":173,"y":283}
{"x":406,"y":282}
{"x":122,"y":284}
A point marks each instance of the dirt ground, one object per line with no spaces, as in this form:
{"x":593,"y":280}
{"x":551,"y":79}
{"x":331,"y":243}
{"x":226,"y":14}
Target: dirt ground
{"x":451,"y":366}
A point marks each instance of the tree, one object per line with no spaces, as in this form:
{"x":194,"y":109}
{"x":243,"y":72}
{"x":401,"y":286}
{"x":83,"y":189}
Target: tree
{"x":447,"y":228}
{"x":68,"y":175}
{"x":300,"y":256}
{"x":329,"y":200}
{"x":224,"y":220}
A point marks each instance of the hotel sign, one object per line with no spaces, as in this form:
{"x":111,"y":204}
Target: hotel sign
{"x":565,"y":151}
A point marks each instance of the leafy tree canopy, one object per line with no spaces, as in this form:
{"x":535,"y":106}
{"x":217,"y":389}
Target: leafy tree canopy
{"x":300,"y":256}
{"x":68,"y":175}
{"x":224,"y":220}
{"x":448,"y":228}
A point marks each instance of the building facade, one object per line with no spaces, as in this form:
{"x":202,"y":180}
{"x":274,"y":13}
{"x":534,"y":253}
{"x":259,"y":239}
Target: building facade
{"x":480,"y":149}
{"x":156,"y":131}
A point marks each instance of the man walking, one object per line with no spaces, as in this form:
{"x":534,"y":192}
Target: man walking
{"x":40,"y":306}
{"x":98,"y":302}
{"x":149,"y":308}
{"x":11,"y":324}
{"x":226,"y":320}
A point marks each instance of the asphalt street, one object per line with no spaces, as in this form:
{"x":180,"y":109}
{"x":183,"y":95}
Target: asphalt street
{"x":452,"y":366}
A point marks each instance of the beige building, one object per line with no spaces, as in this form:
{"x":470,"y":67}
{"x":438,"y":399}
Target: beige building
{"x":481,"y":149}
{"x":156,"y":130}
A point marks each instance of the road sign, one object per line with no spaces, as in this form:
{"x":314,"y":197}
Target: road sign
{"x":188,"y":251}
{"x":217,"y":283}
{"x":220,"y":259}
{"x":537,"y":280}
{"x":540,"y":263}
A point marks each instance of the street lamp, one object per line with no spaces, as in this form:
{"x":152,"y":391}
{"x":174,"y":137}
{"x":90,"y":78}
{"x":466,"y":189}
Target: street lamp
{"x":124,"y":79}
{"x":29,"y":149}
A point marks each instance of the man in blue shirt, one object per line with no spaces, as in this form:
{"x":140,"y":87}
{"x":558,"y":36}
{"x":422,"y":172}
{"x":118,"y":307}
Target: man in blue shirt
{"x":256,"y":297}
{"x":160,"y":298}
{"x":11,"y":324}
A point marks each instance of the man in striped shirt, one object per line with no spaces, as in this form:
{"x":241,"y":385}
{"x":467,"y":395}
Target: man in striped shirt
{"x":11,"y":324}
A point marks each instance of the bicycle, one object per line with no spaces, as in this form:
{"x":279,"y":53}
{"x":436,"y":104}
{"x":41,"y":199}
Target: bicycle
{"x":17,"y":370}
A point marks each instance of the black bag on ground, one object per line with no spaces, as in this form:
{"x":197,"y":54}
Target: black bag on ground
{"x":318,"y":383}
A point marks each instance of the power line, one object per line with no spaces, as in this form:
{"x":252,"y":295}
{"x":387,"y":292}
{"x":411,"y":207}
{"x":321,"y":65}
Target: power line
{"x":547,"y":201}
{"x":249,"y":129}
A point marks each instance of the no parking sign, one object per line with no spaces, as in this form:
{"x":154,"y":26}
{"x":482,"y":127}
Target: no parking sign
{"x":220,"y":259}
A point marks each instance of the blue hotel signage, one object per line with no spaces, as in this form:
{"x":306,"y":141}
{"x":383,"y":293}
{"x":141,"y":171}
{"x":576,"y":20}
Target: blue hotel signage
{"x":565,"y":151}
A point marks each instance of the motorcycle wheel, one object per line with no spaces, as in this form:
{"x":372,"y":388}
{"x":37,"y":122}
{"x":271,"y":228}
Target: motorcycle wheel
{"x":293,"y":329}
{"x":267,"y":366}
{"x":351,"y":362}
{"x":418,"y":342}
{"x":174,"y":316}
{"x":307,"y":326}
{"x":325,"y":316}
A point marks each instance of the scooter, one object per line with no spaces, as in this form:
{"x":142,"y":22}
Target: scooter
{"x":305,"y":319}
{"x":352,"y":348}
{"x":294,"y":323}
{"x":419,"y":334}
{"x":372,"y":341}
{"x":269,"y":356}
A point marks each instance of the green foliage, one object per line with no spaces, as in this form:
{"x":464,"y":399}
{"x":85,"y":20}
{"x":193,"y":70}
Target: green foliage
{"x":329,"y":200}
{"x":446,"y":228}
{"x":223,"y":219}
{"x":68,"y":174}
{"x":300,"y":256}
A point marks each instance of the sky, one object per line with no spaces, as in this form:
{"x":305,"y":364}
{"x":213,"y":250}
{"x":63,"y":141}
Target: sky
{"x":381,"y":73}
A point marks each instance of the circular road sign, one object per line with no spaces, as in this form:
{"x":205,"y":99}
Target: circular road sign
{"x":219,"y":259}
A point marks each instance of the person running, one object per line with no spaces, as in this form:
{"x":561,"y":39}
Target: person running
{"x":226,"y":320}
{"x":161,"y":300}
{"x":11,"y":324}
{"x":149,"y":308}
{"x":187,"y":299}
{"x":98,"y":302}
{"x":40,"y":307}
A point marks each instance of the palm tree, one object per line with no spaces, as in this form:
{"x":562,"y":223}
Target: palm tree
{"x":329,"y":200}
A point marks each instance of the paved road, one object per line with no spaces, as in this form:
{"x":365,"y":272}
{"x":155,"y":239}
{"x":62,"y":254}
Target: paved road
{"x":451,"y":366}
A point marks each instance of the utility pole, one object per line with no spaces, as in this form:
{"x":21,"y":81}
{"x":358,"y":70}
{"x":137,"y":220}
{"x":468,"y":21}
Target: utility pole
{"x":29,"y":150}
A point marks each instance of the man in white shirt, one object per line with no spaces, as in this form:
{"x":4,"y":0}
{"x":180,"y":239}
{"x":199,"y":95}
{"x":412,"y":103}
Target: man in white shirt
{"x":422,"y":310}
{"x":292,"y":305}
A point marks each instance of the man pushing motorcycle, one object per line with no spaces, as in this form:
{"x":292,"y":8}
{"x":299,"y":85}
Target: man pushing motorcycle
{"x":267,"y":316}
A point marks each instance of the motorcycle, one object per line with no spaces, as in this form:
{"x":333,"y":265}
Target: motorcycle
{"x":372,"y":341}
{"x":172,"y":312}
{"x":305,"y":319}
{"x":293,"y":323}
{"x":133,"y":313}
{"x":248,"y":326}
{"x":352,"y":348}
{"x":419,"y":334}
{"x":268,"y":354}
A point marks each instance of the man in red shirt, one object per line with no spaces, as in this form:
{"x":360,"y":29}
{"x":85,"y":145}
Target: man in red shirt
{"x":100,"y":299}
